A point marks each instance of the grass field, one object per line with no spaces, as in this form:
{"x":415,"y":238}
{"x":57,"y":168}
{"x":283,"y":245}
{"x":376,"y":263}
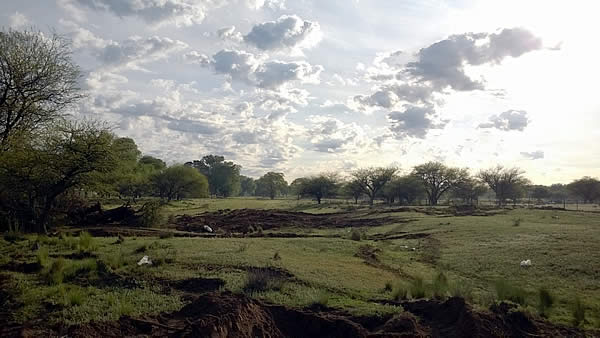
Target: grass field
{"x":83,"y":279}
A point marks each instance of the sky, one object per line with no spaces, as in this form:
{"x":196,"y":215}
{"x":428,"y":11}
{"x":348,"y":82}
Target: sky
{"x":309,"y":86}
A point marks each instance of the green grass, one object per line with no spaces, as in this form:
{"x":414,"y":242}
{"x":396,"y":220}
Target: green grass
{"x":474,"y":252}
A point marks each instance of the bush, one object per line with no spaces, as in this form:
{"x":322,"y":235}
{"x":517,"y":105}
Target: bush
{"x":578,"y":312}
{"x":546,"y":301}
{"x":150,"y":214}
{"x":262,"y":280}
{"x":87,"y":243}
{"x":355,"y":235}
{"x":417,"y":288}
{"x":506,"y":291}
{"x":388,"y":286}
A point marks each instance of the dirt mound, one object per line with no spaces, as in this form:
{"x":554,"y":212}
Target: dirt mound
{"x":197,"y":285}
{"x":253,"y":220}
{"x":234,"y":315}
{"x":455,"y":318}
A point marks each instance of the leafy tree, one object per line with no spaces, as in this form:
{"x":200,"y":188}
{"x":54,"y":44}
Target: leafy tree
{"x":406,"y":188}
{"x":353,"y":189}
{"x":39,"y":169}
{"x":271,"y":184}
{"x":223,"y":176}
{"x":558,"y":192}
{"x":437,"y":179}
{"x":38,"y":81}
{"x":586,"y":188}
{"x":539,"y":192}
{"x":247,"y":185}
{"x":296,"y":187}
{"x":469,"y":190}
{"x":507,"y":183}
{"x":180,"y":181}
{"x":156,"y":163}
{"x":372,"y":180}
{"x":323,"y":185}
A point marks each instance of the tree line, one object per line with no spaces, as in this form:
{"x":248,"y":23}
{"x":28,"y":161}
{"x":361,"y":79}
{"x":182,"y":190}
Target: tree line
{"x":51,"y":164}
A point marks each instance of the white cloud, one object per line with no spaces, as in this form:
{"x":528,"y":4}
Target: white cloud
{"x":18,"y":20}
{"x":534,"y":155}
{"x":289,"y":31}
{"x":508,"y":120}
{"x":414,"y":121}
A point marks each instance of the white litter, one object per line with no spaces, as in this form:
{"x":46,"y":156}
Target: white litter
{"x":145,"y":260}
{"x":526,"y":263}
{"x":414,"y":249}
{"x":207,"y":228}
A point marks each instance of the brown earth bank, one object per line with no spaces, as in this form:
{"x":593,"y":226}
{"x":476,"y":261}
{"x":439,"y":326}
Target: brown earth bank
{"x":233,"y":315}
{"x":252,"y":220}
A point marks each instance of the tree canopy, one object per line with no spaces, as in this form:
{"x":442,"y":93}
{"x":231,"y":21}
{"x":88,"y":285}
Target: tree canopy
{"x":438,"y":178}
{"x":372,"y":180}
{"x":38,"y":81}
{"x":271,"y":184}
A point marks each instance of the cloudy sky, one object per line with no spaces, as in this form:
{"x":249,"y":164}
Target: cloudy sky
{"x":304,"y":86}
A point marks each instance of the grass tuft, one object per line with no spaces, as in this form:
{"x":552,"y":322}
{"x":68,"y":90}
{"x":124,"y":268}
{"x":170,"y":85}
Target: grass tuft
{"x":546,"y":301}
{"x":418,"y":288}
{"x":506,"y":291}
{"x":578,"y":312}
{"x":262,"y":280}
{"x":42,"y":257}
{"x":87,"y":242}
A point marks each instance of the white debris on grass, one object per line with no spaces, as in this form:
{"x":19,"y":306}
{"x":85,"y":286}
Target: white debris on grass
{"x":526,"y":263}
{"x":145,"y":260}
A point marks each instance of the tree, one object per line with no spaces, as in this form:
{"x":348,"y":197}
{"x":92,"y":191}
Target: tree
{"x":558,"y":192}
{"x":271,"y":184}
{"x":40,"y":168}
{"x":223,"y":176}
{"x":247,"y":185}
{"x":38,"y":81}
{"x":156,"y":163}
{"x":372,"y":180}
{"x":539,"y":192}
{"x":179,"y":181}
{"x":353,"y":189}
{"x":507,"y":183}
{"x":469,"y":190}
{"x":437,"y":179}
{"x":586,"y":188}
{"x":297,"y":185}
{"x":406,"y":188}
{"x":323,"y":185}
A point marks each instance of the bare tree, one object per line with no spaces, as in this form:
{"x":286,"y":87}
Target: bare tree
{"x":38,"y":81}
{"x":437,"y":178}
{"x":507,"y":183}
{"x":372,"y":180}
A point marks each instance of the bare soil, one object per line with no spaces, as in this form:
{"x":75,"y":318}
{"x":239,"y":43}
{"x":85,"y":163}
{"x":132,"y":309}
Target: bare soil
{"x":253,"y":220}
